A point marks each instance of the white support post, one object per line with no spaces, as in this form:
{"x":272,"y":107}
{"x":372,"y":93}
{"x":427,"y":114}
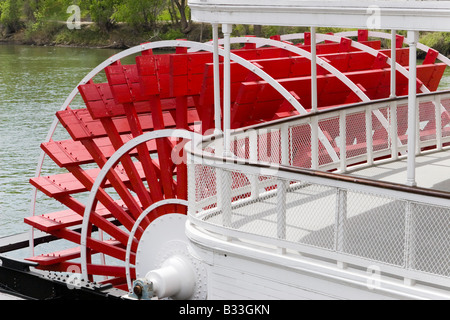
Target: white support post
{"x":226,"y":196}
{"x":409,"y":253}
{"x":437,"y":104}
{"x":313,"y":70}
{"x":315,"y":142}
{"x":343,"y":141}
{"x":285,"y":143}
{"x":281,"y":212}
{"x":217,"y":109}
{"x":413,"y":37}
{"x":314,"y":103}
{"x":226,"y":29}
{"x":394,"y":131}
{"x":340,"y":224}
{"x":393,"y":63}
{"x":253,"y":157}
{"x":226,"y":176}
{"x":192,"y":186}
{"x":369,"y":136}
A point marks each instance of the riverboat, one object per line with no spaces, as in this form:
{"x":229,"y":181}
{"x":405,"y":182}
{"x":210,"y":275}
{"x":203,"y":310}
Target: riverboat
{"x":304,"y":166}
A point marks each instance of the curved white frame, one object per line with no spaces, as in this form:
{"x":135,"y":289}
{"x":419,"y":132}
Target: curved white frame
{"x":303,"y":53}
{"x":383,"y":35}
{"x":260,"y":42}
{"x":196,"y":46}
{"x":372,"y":52}
{"x":337,"y":38}
{"x":375,"y":34}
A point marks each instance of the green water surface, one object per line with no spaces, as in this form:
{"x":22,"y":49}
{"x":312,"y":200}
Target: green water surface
{"x":34,"y":83}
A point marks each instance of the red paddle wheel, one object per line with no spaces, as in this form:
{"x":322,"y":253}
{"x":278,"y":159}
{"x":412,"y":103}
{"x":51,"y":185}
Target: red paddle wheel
{"x":134,"y":100}
{"x":169,"y":92}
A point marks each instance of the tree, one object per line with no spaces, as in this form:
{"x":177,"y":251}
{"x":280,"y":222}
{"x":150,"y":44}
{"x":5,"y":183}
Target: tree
{"x":46,"y":14}
{"x":102,"y":13}
{"x":183,"y":11}
{"x":29,"y":8}
{"x":10,"y":12}
{"x":257,"y":30}
{"x":140,"y":13}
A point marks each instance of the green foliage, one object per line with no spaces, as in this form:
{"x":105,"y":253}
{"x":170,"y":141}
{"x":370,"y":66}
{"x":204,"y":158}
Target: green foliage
{"x":140,"y":13}
{"x":10,"y":12}
{"x":165,"y":15}
{"x":86,"y":37}
{"x":439,"y":41}
{"x":40,"y":13}
{"x":102,"y":12}
{"x":172,"y":34}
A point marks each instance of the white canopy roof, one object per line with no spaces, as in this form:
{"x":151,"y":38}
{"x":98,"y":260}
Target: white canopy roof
{"x":382,"y":14}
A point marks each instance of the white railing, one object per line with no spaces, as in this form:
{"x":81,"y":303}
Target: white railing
{"x":259,"y":195}
{"x":340,"y":138}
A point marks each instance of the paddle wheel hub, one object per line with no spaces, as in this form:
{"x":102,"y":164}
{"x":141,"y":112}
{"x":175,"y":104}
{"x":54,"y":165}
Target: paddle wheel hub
{"x":164,"y":266}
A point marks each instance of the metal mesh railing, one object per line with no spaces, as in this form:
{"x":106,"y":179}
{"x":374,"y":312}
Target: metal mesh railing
{"x":252,"y":197}
{"x":337,"y":140}
{"x":430,"y":248}
{"x":375,"y":228}
{"x":387,"y":230}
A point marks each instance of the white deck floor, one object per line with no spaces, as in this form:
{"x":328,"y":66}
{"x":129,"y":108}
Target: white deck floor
{"x":432,"y":171}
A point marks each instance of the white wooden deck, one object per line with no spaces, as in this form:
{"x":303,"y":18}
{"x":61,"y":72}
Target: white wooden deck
{"x":432,"y":171}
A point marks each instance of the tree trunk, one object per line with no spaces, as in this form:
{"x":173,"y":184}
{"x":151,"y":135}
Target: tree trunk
{"x":186,"y":26}
{"x":257,"y":30}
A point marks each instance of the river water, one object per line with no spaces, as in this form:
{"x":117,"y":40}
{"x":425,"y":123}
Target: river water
{"x":34,"y":83}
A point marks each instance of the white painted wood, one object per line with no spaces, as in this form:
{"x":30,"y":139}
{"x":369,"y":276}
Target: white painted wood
{"x":413,"y":38}
{"x":226,"y":29}
{"x":395,"y":14}
{"x":240,"y":271}
{"x":393,"y":65}
{"x":314,"y":97}
{"x":217,"y":108}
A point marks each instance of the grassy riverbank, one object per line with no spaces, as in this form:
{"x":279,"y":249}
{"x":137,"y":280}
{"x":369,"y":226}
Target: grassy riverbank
{"x":126,"y":23}
{"x":124,"y":36}
{"x":90,"y":35}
